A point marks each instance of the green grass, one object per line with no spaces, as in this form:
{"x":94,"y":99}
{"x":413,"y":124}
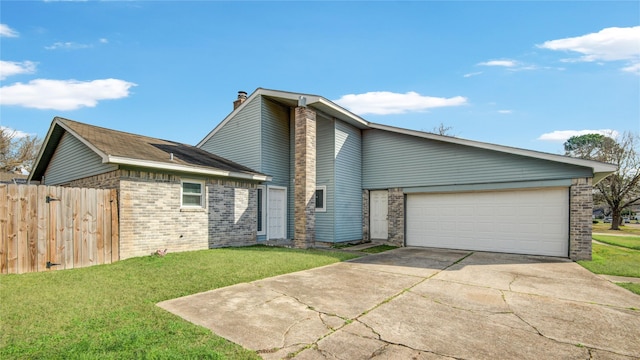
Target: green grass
{"x":613,"y":260}
{"x":109,"y":311}
{"x":634,"y":288}
{"x":631,"y":242}
{"x":627,"y":229}
{"x":378,"y":249}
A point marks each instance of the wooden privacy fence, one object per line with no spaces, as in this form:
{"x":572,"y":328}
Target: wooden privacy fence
{"x":52,"y":228}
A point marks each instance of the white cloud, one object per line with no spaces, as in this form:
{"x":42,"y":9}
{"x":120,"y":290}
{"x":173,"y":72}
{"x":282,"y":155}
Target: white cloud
{"x":17,"y":134}
{"x":385,"y":102}
{"x":505,"y":111}
{"x":6,"y":31}
{"x":504,"y":63}
{"x":633,"y":68}
{"x":609,"y":44}
{"x":472,"y":74}
{"x":564,"y":135}
{"x":63,"y":94}
{"x":10,"y":68}
{"x":104,"y":41}
{"x":67,"y":46}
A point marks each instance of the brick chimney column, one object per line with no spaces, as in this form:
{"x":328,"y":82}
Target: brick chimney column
{"x":242,"y":96}
{"x":305,"y":178}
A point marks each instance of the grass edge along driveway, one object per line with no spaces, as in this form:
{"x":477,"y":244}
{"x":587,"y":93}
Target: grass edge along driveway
{"x":109,"y":311}
{"x":616,"y":256}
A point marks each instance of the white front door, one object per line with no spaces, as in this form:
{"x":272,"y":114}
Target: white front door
{"x":379,"y":211}
{"x":277,"y":213}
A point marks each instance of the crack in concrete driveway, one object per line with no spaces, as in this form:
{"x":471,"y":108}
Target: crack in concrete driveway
{"x":426,"y":304}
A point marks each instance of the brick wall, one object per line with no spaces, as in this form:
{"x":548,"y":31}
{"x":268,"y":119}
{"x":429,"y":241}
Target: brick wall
{"x":580,"y":219}
{"x":109,"y":180}
{"x":396,"y":216}
{"x":304,"y":178}
{"x":151,"y":218}
{"x":366,"y":236}
{"x":233,"y":211}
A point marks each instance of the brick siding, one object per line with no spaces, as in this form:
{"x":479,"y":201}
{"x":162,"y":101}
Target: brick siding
{"x":233,"y":213}
{"x":305,"y":178}
{"x":580,"y":219}
{"x":366,"y":235}
{"x":396,"y":217}
{"x":151,"y":216}
{"x":109,"y":180}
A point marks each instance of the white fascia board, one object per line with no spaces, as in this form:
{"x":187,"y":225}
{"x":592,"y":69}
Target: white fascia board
{"x":184,"y":168}
{"x":311,"y":100}
{"x":344,"y":112}
{"x":57,"y":122}
{"x":597,"y":166}
{"x":315,"y":100}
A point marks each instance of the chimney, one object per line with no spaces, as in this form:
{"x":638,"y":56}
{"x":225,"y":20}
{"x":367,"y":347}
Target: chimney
{"x":242,"y":96}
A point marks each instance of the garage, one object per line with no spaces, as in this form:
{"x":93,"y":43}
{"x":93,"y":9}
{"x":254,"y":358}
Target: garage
{"x":531,"y":221}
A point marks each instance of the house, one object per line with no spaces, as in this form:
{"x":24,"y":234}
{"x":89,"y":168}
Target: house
{"x":336,"y":177}
{"x":171,"y":196}
{"x":298,"y":167}
{"x":12,"y":177}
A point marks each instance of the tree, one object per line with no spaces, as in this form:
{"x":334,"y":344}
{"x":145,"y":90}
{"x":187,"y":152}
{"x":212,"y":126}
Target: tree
{"x":17,"y":151}
{"x":587,"y":146}
{"x":442,"y":130}
{"x":621,"y":189}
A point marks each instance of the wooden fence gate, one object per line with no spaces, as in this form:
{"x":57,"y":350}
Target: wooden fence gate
{"x":46,"y":228}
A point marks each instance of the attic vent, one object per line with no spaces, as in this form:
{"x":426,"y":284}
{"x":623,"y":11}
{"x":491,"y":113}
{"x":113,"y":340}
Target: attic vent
{"x":171,"y":156}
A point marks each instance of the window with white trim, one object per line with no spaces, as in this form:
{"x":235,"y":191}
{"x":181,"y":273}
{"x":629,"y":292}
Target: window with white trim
{"x":321,"y":198}
{"x":192,"y":194}
{"x":262,"y":203}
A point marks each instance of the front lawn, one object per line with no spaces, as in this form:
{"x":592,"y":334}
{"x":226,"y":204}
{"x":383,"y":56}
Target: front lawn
{"x":635,"y":288}
{"x":614,"y":260}
{"x":109,"y":311}
{"x":631,"y":242}
{"x":626,"y":229}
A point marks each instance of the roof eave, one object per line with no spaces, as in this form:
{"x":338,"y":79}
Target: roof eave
{"x":110,"y":159}
{"x":41,"y":152}
{"x":311,"y":100}
{"x":600,"y":169}
{"x":57,"y":121}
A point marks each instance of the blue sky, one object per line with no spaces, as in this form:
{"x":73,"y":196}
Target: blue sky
{"x":523,"y":74}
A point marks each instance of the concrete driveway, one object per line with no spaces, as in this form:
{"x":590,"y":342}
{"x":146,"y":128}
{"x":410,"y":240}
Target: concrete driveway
{"x":415,"y":303}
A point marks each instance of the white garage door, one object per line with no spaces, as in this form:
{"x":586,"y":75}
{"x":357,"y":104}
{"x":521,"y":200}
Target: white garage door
{"x":523,"y":222}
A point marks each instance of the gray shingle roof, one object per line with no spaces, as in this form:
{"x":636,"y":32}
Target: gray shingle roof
{"x":155,"y":153}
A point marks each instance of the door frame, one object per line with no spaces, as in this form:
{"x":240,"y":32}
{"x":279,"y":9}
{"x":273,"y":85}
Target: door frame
{"x":284,"y":209}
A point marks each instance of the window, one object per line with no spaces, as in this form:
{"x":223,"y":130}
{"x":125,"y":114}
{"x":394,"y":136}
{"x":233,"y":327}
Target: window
{"x":192,"y":193}
{"x":262,"y":195}
{"x":321,"y":198}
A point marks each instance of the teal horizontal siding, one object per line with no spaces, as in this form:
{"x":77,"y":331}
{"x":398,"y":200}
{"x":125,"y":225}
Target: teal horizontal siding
{"x":74,"y":160}
{"x":325,"y":176}
{"x":348,"y":180}
{"x":399,"y":160}
{"x":275,"y":142}
{"x":239,"y":139}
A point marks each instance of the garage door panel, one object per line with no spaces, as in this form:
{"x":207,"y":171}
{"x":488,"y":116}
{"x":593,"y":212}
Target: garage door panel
{"x":522,"y":221}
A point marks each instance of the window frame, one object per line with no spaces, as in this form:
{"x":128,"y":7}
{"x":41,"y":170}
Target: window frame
{"x":261,"y":199}
{"x":201,"y":195}
{"x":324,"y":198}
